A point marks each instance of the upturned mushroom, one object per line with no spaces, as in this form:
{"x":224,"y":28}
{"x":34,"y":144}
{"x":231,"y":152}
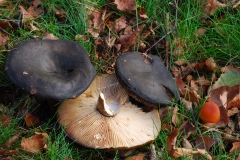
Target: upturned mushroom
{"x":146,"y":79}
{"x":54,"y":69}
{"x":102,"y":117}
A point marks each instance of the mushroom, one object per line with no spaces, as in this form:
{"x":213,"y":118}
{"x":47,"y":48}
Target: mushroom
{"x":102,"y":117}
{"x":54,"y":69}
{"x":210,"y":112}
{"x":146,"y":79}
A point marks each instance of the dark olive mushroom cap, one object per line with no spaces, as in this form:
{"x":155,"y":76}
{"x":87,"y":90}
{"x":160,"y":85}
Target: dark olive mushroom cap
{"x":147,"y":80}
{"x":56,"y":69}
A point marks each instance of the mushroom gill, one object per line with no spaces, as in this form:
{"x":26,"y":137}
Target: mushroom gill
{"x":126,"y":127}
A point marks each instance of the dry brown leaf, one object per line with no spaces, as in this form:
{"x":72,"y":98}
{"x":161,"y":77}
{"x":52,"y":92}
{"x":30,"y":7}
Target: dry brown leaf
{"x":60,"y":14}
{"x":235,"y":102}
{"x":187,"y":92}
{"x":175,"y":117}
{"x":129,"y":38}
{"x":50,"y":36}
{"x":232,"y":111}
{"x":236,"y":5}
{"x":36,"y":3}
{"x":164,"y":112}
{"x":31,"y":120}
{"x":142,"y":12}
{"x":5,"y":24}
{"x":200,"y":86}
{"x":26,"y":17}
{"x":187,"y":104}
{"x":11,"y":140}
{"x":34,"y":143}
{"x":204,"y":142}
{"x":211,"y":6}
{"x":236,"y":146}
{"x":200,"y":31}
{"x":211,"y":65}
{"x":223,"y":95}
{"x":187,"y":144}
{"x":3,"y":1}
{"x":118,"y":25}
{"x":187,"y":128}
{"x":238,"y":158}
{"x":179,"y":152}
{"x":3,"y":40}
{"x":171,"y":142}
{"x":5,"y":120}
{"x":34,"y":12}
{"x":230,"y":68}
{"x":8,"y":152}
{"x":125,"y":5}
{"x":97,"y":22}
{"x":137,"y":157}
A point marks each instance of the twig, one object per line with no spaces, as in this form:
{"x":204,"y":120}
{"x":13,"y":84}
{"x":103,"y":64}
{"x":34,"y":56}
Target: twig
{"x":171,"y":30}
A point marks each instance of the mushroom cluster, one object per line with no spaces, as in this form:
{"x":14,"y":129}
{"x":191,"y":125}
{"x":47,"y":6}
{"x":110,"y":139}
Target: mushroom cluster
{"x":98,"y":113}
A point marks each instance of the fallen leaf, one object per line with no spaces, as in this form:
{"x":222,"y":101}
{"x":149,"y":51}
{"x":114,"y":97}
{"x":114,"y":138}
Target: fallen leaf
{"x":186,"y":92}
{"x":171,"y":142}
{"x":50,"y":36}
{"x":129,"y":38}
{"x":34,"y":143}
{"x":3,"y":40}
{"x":204,"y":142}
{"x":36,"y":3}
{"x":223,"y":95}
{"x":142,"y":12}
{"x":211,"y":65}
{"x":118,"y":25}
{"x":26,"y":17}
{"x":235,"y":102}
{"x":211,"y":6}
{"x":60,"y":14}
{"x":11,"y":140}
{"x":179,"y":152}
{"x":232,"y":111}
{"x":236,"y":5}
{"x":34,"y":12}
{"x":3,"y":1}
{"x":5,"y":120}
{"x":97,"y":22}
{"x":175,"y":117}
{"x":125,"y":5}
{"x":200,"y":31}
{"x":187,"y":104}
{"x":31,"y":120}
{"x":236,"y":146}
{"x":186,"y":144}
{"x":230,"y":68}
{"x":230,"y":78}
{"x":187,"y":128}
{"x":8,"y":152}
{"x":5,"y":24}
{"x":137,"y":157}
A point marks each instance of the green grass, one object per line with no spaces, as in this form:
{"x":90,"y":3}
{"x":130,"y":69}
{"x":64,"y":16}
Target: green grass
{"x":221,"y":41}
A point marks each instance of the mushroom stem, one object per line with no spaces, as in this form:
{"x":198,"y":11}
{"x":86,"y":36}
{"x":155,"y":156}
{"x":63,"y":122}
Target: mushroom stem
{"x":108,"y":109}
